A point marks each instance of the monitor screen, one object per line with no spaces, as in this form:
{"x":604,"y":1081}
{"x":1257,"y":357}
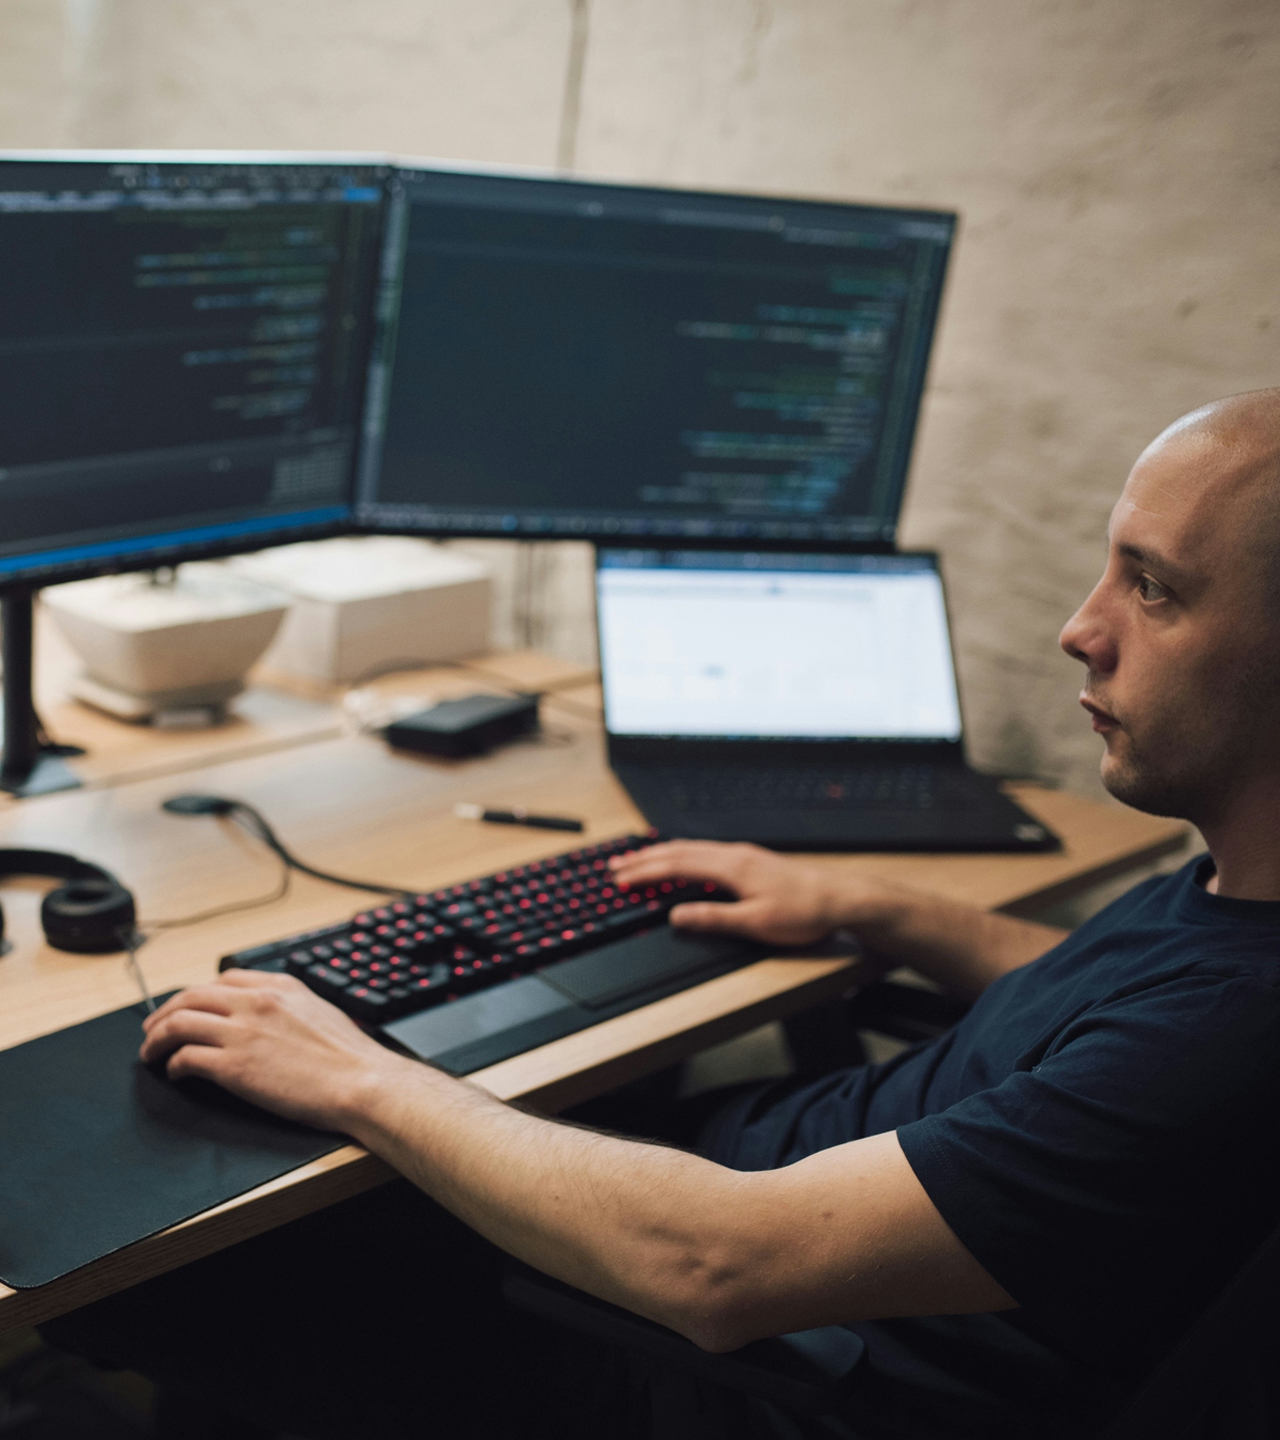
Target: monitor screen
{"x":758,"y":646}
{"x":183,"y":353}
{"x":563,"y":358}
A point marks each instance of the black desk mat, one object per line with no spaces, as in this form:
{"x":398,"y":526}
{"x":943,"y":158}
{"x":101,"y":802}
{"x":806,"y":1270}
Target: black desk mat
{"x":97,"y":1150}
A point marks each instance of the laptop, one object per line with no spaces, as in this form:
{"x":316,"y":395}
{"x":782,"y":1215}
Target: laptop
{"x":800,"y":701}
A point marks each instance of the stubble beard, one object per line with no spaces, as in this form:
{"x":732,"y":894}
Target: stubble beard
{"x":1144,"y":788}
{"x":1189,"y":774}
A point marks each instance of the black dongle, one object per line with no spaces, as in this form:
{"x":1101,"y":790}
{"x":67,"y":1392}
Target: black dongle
{"x":466,"y":726}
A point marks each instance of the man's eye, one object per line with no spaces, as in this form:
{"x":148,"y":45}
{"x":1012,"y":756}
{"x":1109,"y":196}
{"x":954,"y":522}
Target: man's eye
{"x":1150,"y":589}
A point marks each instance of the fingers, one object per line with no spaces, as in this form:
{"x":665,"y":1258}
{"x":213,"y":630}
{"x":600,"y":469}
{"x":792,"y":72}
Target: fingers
{"x":711,"y":915}
{"x":198,"y":1062}
{"x":183,"y":1027}
{"x":757,"y":918}
{"x":689,"y":859}
{"x":200,"y":997}
{"x":223,"y":995}
{"x":259,"y":980}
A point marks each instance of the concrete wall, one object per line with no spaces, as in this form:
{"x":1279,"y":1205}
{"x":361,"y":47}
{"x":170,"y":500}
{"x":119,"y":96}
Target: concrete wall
{"x":1117,"y":164}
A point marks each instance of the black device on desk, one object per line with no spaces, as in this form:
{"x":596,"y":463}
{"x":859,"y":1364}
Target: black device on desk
{"x":450,"y":975}
{"x":804,"y":701}
{"x":467,"y":726}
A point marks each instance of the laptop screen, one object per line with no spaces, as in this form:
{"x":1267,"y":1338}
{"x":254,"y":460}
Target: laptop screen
{"x":749,"y":645}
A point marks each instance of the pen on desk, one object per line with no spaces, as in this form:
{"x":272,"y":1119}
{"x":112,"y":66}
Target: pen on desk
{"x":466,"y":811}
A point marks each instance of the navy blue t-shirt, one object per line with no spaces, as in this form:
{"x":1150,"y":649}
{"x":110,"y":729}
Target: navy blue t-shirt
{"x":1100,"y":1131}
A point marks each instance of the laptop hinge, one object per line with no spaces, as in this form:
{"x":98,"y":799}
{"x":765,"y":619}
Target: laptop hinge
{"x":681,"y":751}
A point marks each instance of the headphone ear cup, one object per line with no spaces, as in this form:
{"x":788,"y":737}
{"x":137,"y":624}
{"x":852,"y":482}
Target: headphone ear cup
{"x":88,"y":917}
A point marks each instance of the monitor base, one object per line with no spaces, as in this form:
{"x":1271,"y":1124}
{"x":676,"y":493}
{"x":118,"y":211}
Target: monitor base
{"x":50,"y":773}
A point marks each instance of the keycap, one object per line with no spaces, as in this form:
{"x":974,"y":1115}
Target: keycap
{"x":324,"y":976}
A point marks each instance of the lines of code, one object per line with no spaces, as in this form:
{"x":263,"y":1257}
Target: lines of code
{"x":182,"y":343}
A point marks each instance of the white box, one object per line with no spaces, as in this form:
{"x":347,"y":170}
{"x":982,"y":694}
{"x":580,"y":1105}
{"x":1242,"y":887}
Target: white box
{"x":362,"y":604}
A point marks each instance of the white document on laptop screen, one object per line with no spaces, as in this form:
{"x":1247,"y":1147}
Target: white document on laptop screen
{"x":775,"y":653}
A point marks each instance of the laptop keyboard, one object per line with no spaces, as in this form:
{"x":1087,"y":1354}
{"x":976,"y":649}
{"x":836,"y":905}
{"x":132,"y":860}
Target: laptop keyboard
{"x":870,"y":787}
{"x":427,"y":949}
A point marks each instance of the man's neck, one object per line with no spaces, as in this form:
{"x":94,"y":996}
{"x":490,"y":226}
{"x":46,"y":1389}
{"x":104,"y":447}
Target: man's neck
{"x":1245,"y":844}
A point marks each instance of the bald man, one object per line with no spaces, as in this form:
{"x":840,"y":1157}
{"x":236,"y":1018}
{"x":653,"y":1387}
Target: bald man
{"x":1016,"y":1218}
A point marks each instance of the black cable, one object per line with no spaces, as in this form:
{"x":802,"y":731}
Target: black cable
{"x":269,"y":838}
{"x":230,"y":908}
{"x":255,"y":824}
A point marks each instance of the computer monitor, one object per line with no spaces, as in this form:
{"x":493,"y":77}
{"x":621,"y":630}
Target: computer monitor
{"x":559,"y":358}
{"x":183,"y":354}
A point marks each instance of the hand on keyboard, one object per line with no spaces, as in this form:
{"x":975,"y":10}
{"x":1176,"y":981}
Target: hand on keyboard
{"x":780,"y":901}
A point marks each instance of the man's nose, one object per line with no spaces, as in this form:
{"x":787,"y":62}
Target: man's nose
{"x":1087,"y":637}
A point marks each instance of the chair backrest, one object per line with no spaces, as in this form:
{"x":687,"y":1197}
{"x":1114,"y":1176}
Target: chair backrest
{"x":1215,"y":1353}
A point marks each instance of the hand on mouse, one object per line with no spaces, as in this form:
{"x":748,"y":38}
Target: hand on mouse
{"x":269,"y":1039}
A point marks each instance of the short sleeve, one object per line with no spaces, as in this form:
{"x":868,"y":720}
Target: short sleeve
{"x":1118,"y":1180}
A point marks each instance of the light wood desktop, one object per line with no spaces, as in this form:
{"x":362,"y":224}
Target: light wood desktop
{"x":350,"y":805}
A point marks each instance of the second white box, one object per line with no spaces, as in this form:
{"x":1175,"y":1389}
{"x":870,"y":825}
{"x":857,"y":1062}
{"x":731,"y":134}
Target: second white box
{"x":367,"y":603}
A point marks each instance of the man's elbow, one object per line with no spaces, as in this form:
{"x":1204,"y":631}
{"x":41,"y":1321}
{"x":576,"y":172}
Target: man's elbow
{"x":714,"y":1310}
{"x":718,"y":1334}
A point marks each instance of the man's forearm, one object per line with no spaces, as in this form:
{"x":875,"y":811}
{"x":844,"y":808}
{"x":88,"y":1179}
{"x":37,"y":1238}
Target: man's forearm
{"x":959,"y":946}
{"x":633,"y":1223}
{"x":721,"y":1256}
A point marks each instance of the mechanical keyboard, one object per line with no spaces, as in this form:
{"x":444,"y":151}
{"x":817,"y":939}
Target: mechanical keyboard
{"x":421,"y":951}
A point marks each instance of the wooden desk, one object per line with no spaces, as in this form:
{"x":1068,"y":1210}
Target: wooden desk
{"x":350,"y":805}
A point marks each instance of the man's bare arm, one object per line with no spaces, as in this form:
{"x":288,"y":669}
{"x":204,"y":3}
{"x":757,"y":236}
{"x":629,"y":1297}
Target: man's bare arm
{"x":721,"y":1256}
{"x":792,"y":902}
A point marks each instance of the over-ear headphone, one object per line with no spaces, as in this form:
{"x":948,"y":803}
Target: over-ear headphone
{"x":92,"y":914}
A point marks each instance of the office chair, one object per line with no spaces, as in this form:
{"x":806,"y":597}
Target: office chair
{"x":1216,"y":1383}
{"x":1213,"y":1384}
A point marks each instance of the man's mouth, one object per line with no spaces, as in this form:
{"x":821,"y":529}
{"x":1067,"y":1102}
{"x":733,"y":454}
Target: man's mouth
{"x":1103,"y":721}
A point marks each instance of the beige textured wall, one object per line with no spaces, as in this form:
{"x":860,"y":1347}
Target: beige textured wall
{"x":1116,"y":162}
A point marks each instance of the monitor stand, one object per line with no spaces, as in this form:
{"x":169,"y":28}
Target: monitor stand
{"x":31,"y":766}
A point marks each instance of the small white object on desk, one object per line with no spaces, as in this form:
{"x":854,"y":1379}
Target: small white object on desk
{"x":178,"y":642}
{"x":365,"y":602}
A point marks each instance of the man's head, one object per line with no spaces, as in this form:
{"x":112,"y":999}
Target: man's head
{"x":1181,"y":636}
